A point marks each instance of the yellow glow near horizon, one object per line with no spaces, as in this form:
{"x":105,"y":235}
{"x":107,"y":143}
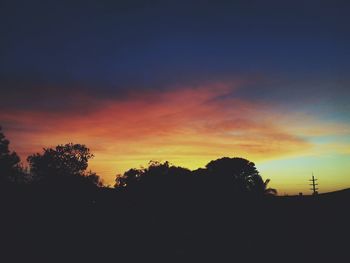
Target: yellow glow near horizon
{"x":190,"y":127}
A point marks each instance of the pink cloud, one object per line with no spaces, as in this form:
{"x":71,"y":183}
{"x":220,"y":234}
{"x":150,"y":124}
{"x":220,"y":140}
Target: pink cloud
{"x":183,"y":124}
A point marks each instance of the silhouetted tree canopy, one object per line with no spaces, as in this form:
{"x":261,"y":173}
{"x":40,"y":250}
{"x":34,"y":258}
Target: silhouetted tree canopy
{"x":157,"y":177}
{"x":66,"y":165}
{"x":63,"y":164}
{"x":236,"y":175}
{"x":10,"y":168}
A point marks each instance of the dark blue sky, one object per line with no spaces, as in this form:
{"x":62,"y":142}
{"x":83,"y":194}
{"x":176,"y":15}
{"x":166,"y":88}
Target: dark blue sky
{"x":105,"y":46}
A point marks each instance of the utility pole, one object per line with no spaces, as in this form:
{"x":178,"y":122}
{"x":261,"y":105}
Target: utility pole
{"x":314,"y":185}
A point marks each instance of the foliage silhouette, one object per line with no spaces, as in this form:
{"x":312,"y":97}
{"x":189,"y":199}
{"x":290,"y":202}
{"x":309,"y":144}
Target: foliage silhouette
{"x":160,"y":212}
{"x":238,"y":173}
{"x":10,"y":168}
{"x":157,"y":178}
{"x":235,"y":175}
{"x":64,"y":164}
{"x":261,"y":187}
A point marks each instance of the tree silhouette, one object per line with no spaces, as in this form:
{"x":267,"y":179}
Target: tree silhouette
{"x":129,"y":177}
{"x":63,"y":164}
{"x":157,"y":177}
{"x":225,"y":175}
{"x":237,"y":174}
{"x":10,"y":168}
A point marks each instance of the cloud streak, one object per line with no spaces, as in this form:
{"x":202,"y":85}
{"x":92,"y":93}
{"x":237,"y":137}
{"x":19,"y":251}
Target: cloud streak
{"x":189,"y":126}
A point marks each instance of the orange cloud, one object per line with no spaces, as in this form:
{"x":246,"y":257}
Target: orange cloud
{"x":187,"y":126}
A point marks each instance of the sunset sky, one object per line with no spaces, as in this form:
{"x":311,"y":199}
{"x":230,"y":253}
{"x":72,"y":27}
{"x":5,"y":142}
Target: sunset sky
{"x":183,"y":81}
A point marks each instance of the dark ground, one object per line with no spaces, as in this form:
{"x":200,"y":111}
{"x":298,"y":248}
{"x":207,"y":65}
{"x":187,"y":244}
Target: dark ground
{"x":110,"y":226}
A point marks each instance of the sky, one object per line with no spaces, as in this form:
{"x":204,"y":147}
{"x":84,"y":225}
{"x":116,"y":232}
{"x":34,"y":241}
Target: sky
{"x":183,"y":81}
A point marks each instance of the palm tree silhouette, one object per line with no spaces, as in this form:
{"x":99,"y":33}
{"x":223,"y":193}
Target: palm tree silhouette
{"x":260,"y":187}
{"x":267,"y":190}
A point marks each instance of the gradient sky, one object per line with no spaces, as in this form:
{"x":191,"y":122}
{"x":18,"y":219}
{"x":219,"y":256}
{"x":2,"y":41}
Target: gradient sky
{"x":183,"y":81}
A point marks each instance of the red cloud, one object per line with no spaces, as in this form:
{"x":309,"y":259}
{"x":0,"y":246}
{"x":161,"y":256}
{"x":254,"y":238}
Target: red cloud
{"x":188,"y":126}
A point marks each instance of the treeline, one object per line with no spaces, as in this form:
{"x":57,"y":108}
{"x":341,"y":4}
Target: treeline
{"x":57,"y":209}
{"x":65,"y":167}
